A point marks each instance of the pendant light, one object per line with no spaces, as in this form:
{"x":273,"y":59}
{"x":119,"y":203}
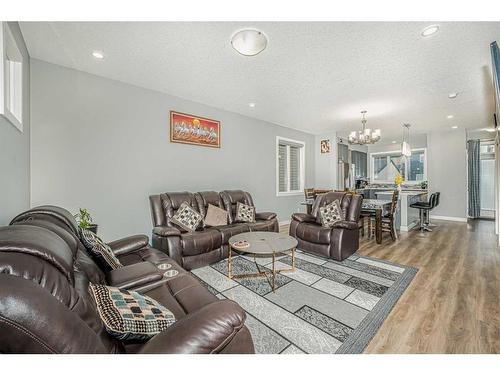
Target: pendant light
{"x":405,"y":144}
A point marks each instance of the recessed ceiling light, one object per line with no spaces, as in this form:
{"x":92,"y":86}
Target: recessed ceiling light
{"x":251,"y":105}
{"x":249,"y":42}
{"x":449,"y":116}
{"x":454,"y":127}
{"x":430,"y":30}
{"x":98,"y":55}
{"x":452,"y":95}
{"x":393,"y":141}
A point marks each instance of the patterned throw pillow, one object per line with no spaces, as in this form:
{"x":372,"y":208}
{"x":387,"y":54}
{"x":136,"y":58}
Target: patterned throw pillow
{"x":245,"y":213}
{"x":99,"y":249}
{"x":187,"y":218}
{"x":129,"y":315}
{"x":215,"y":216}
{"x":330,"y":214}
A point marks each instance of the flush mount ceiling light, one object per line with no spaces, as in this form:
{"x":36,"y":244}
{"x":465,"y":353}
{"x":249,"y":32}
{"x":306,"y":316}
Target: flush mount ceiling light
{"x":449,"y":116}
{"x":454,"y":127}
{"x":249,"y":42}
{"x":98,"y":55}
{"x":251,"y":105}
{"x":430,"y":30}
{"x":452,"y":95}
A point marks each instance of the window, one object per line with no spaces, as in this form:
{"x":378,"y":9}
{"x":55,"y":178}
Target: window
{"x":385,"y":166}
{"x":289,"y":166}
{"x":11,"y":77}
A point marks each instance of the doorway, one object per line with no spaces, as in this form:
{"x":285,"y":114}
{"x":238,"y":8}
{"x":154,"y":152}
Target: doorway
{"x":487,"y":179}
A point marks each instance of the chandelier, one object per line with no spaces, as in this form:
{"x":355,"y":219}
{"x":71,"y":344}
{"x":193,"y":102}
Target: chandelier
{"x":365,"y":136}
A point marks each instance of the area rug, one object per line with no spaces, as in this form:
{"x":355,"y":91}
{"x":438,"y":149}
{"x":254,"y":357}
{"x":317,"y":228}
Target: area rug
{"x":323,"y":306}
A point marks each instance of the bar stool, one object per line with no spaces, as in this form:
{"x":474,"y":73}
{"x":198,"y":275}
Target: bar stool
{"x":428,"y":221}
{"x":424,"y":209}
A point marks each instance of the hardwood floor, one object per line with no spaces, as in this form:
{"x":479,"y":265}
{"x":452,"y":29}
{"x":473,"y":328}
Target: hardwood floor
{"x":453,"y":303}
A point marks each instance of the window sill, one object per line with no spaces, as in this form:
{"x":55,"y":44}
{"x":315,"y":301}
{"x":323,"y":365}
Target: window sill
{"x":289,"y":193}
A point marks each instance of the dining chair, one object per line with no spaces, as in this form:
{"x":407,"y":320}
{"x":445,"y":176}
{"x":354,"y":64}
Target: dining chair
{"x":388,"y":220}
{"x":309,"y":193}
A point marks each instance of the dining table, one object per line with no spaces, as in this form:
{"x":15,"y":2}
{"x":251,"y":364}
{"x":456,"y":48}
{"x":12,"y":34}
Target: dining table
{"x":379,"y":207}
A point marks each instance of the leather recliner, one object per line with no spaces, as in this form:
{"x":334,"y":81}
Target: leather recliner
{"x":206,"y":245}
{"x":338,"y":242}
{"x":45,"y":272}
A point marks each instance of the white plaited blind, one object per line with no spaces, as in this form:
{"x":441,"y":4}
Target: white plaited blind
{"x":283,"y":159}
{"x":290,"y":166}
{"x":295,"y":167}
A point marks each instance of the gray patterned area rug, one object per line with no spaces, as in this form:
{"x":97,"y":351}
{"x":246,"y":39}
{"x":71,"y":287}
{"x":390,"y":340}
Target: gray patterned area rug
{"x":323,"y":306}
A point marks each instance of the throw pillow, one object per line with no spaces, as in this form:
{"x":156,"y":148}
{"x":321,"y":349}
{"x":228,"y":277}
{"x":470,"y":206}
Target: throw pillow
{"x":129,"y":315}
{"x":245,"y":213}
{"x":99,"y":249}
{"x":187,"y":218}
{"x":330,"y":214}
{"x":215,"y":216}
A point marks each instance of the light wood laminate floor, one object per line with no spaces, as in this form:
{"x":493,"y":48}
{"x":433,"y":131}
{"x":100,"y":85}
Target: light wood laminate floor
{"x":453,"y":303}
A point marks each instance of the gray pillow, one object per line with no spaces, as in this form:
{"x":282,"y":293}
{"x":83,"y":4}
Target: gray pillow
{"x":187,"y":218}
{"x":215,"y":216}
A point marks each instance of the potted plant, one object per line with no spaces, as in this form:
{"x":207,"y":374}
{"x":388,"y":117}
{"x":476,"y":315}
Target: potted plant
{"x":85,"y":220}
{"x":398,"y":181}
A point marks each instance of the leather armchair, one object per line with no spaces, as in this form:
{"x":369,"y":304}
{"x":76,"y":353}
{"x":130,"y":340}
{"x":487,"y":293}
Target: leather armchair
{"x":338,"y":242}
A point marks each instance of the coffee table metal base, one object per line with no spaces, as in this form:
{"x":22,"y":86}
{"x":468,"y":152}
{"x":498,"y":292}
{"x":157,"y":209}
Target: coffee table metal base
{"x":270,"y":275}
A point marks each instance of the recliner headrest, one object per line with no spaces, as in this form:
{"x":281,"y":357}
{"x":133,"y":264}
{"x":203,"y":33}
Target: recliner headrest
{"x":38,"y":242}
{"x":62,"y":215}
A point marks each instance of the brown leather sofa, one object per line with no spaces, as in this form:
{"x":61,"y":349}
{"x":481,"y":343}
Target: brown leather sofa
{"x":45,"y":306}
{"x":207,"y":244}
{"x":338,"y":242}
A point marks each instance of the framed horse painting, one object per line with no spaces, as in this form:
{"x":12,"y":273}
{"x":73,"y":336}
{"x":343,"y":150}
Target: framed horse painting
{"x":194,"y":130}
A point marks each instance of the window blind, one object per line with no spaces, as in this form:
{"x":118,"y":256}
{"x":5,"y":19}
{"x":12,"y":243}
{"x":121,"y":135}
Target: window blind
{"x":283,"y":162}
{"x":294,"y":167}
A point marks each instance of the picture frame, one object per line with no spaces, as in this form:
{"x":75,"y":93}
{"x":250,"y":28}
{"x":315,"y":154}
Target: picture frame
{"x":194,"y":130}
{"x":325,"y":146}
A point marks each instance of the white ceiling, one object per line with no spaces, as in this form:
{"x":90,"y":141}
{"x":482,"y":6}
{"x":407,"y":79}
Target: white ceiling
{"x":315,"y":77}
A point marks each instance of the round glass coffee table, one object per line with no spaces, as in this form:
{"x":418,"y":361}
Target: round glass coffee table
{"x":271,"y":244}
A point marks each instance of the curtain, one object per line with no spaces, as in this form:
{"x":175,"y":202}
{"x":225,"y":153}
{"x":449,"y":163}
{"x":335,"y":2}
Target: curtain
{"x":474,"y":168}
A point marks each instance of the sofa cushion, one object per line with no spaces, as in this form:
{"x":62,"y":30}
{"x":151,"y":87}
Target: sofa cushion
{"x":314,"y":233}
{"x":187,"y":218}
{"x":100,"y":250}
{"x":244,"y":213}
{"x":128,"y":315}
{"x":228,"y":231}
{"x":330,"y":214}
{"x":199,"y":242}
{"x":215,"y":216}
{"x":261,"y":225}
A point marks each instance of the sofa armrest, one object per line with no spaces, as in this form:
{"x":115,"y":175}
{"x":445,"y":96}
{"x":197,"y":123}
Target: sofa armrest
{"x":265,"y":215}
{"x":344,"y":224}
{"x":165,"y":231}
{"x":128,"y":244}
{"x":134,"y":275}
{"x":303,"y":218}
{"x":205,"y":331}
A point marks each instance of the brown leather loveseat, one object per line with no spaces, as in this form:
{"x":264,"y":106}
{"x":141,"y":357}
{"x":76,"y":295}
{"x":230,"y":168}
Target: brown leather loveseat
{"x":207,"y":244}
{"x":45,"y":306}
{"x":338,"y":242}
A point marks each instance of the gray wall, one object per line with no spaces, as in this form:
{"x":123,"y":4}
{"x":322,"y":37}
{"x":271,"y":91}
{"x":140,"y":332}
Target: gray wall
{"x":15,"y":150}
{"x":447,"y":172}
{"x":104,"y":145}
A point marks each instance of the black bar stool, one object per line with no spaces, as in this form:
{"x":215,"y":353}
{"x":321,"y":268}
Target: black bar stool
{"x":424,"y":209}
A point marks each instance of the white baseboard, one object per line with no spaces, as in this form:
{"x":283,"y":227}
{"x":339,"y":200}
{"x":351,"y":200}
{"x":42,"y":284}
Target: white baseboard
{"x":449,"y":218}
{"x":286,"y":222}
